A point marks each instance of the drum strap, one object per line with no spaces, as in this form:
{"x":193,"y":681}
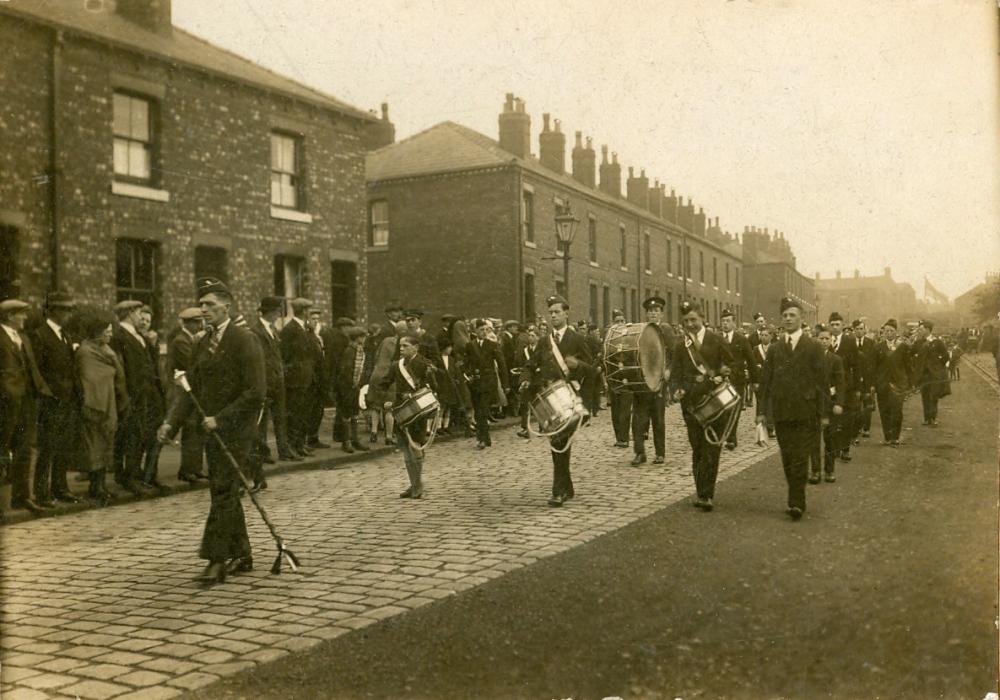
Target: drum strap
{"x":557,"y":353}
{"x":406,"y":375}
{"x":694,"y":352}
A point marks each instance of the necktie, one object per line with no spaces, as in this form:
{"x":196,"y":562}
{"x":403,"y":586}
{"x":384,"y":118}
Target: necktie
{"x":213,"y":341}
{"x":17,"y":340}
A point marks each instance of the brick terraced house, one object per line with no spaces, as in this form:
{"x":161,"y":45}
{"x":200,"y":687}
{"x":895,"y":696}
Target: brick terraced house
{"x":460,"y":222}
{"x":137,"y":157}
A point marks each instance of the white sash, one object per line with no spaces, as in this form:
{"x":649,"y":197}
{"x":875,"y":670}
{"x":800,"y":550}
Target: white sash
{"x":556,"y":353}
{"x":406,"y":375}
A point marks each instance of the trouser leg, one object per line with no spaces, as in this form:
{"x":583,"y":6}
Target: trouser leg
{"x":562,"y":481}
{"x":225,"y":529}
{"x":481,"y":407}
{"x":830,"y":442}
{"x":640,"y":419}
{"x":659,"y":410}
{"x":794,"y":441}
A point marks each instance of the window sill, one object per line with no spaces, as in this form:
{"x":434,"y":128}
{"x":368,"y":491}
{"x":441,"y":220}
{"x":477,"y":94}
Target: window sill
{"x":291,"y":215}
{"x":702,"y":284}
{"x":593,"y":264}
{"x":623,"y":268}
{"x":530,"y":244}
{"x":648,"y":272}
{"x":127,"y":189}
{"x":377,"y":249}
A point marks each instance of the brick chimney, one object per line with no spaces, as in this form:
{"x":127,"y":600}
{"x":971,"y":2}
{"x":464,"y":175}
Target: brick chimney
{"x":637,"y":188}
{"x":611,"y":174}
{"x":655,"y":203}
{"x":584,"y":161}
{"x":888,"y":272}
{"x":670,"y":207}
{"x":685,"y":216}
{"x":515,"y":127}
{"x":552,"y":146}
{"x":699,"y":223}
{"x":380,"y":133}
{"x":154,"y":15}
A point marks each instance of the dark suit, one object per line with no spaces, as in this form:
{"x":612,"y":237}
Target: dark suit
{"x":866,"y":373}
{"x":58,"y":415}
{"x":180,"y":354}
{"x":335,"y":341}
{"x":930,"y":371}
{"x":510,"y":344}
{"x":298,"y":352}
{"x":543,"y":369}
{"x":21,"y":386}
{"x":835,"y":432}
{"x":620,"y":403}
{"x":649,"y":407}
{"x":743,"y":371}
{"x":230,"y":386}
{"x":847,"y":351}
{"x":136,"y":436}
{"x":321,"y":389}
{"x":685,"y":375}
{"x":484,"y":364}
{"x":892,"y":380}
{"x":274,"y":404}
{"x":794,"y":397}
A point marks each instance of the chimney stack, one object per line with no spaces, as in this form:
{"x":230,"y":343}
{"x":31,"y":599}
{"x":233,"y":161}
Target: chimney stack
{"x":655,"y":201}
{"x":584,"y":161}
{"x":685,"y":216}
{"x":154,"y":15}
{"x":380,"y":133}
{"x":670,"y":207}
{"x":699,"y":222}
{"x":552,"y":146}
{"x":611,"y":174}
{"x":638,"y":188}
{"x":888,"y":272}
{"x":515,"y":127}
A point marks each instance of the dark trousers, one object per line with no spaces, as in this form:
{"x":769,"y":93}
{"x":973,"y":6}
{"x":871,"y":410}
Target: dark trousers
{"x":17,"y":431}
{"x":621,"y":414}
{"x":704,"y":458}
{"x":649,"y":406}
{"x":192,"y":449}
{"x":835,"y":439}
{"x":481,"y":402}
{"x":135,"y":437}
{"x":816,"y":451}
{"x":867,"y":408}
{"x":562,"y":481}
{"x":795,"y":439}
{"x":314,"y":417}
{"x":58,"y":423}
{"x":298,"y":401}
{"x":929,"y":397}
{"x":274,"y":412}
{"x":732,"y":440}
{"x":890,"y":410}
{"x":226,"y":528}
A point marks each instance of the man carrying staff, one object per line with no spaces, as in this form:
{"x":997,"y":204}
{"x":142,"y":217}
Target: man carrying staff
{"x":563,"y":355}
{"x":228,"y":380}
{"x":701,"y":362}
{"x":794,"y":397}
{"x":650,"y":406}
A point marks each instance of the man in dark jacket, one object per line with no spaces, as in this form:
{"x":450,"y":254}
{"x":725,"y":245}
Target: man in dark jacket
{"x":930,"y":370}
{"x":486,"y":369}
{"x":833,"y":370}
{"x":180,"y":353}
{"x":336,"y":343}
{"x":845,"y":346}
{"x":743,"y":369}
{"x":59,"y":414}
{"x":892,"y":380}
{"x":760,"y":324}
{"x":649,"y":407}
{"x":866,"y":375}
{"x":299,"y":353}
{"x":21,"y":387}
{"x":701,"y":361}
{"x":228,"y":381}
{"x":794,"y":397}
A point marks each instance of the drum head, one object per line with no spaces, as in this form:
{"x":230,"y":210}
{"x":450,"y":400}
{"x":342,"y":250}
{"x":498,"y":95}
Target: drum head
{"x":652,"y":356}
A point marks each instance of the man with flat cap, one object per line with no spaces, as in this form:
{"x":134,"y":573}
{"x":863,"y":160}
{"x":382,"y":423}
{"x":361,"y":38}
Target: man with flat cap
{"x":892,"y":381}
{"x":227,"y":379}
{"x":930,"y":370}
{"x":794,"y":397}
{"x":650,"y":406}
{"x":743,"y":370}
{"x":135,"y":439}
{"x":21,"y":387}
{"x":180,"y":353}
{"x":563,"y":355}
{"x":701,"y":361}
{"x":59,"y":414}
{"x":299,"y":355}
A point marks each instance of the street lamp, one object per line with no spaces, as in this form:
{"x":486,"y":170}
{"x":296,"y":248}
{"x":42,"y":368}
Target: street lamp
{"x":566,"y":225}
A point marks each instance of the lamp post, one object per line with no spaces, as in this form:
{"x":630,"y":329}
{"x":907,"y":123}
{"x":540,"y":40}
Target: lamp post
{"x":566,"y":225}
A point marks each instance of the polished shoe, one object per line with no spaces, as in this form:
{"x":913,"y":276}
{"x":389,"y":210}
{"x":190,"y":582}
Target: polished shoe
{"x":700,"y":502}
{"x":481,"y":445}
{"x":730,"y":446}
{"x":66,"y":497}
{"x":215,"y":572}
{"x":658,"y":459}
{"x":522,"y":433}
{"x":359,"y":446}
{"x":795,"y":513}
{"x":829,"y":478}
{"x":895,"y":443}
{"x":317,"y":445}
{"x":866,"y":433}
{"x":638,"y":459}
{"x":557,"y":501}
{"x":846,"y":456}
{"x":373,"y":438}
{"x":239,"y":565}
{"x":267,"y":460}
{"x":814,"y":478}
{"x":621,"y":443}
{"x":346,"y":447}
{"x":408,"y":493}
{"x":289,"y":457}
{"x":707,"y":506}
{"x":45,"y":502}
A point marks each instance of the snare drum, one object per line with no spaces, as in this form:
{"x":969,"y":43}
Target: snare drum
{"x":556,"y":407}
{"x":421,"y":404}
{"x":721,"y":399}
{"x":635,"y":358}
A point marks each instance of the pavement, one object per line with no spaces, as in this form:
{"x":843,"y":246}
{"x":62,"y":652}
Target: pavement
{"x":101,"y":603}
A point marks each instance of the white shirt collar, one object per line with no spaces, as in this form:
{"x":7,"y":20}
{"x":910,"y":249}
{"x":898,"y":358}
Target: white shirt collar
{"x":15,"y":337}
{"x":700,"y":335}
{"x":131,"y":329}
{"x":222,"y":328}
{"x":55,"y":327}
{"x":793,"y":338}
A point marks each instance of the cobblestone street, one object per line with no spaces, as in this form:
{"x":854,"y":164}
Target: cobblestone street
{"x":101,"y":604}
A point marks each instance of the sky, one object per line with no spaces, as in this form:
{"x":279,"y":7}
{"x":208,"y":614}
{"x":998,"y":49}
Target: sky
{"x":866,"y":130}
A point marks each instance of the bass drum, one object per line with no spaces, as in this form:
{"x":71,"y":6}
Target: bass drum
{"x":635,"y":358}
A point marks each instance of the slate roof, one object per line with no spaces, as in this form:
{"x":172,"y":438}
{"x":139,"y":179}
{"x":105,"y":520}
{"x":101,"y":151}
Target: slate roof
{"x":179,"y":47}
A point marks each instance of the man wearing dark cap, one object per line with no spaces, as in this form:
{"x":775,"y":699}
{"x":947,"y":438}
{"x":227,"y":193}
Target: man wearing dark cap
{"x":428,"y":345}
{"x":620,"y":402}
{"x":299,"y":355}
{"x":135,"y":439}
{"x":700,"y":363}
{"x":760,"y":324}
{"x":227,"y":378}
{"x":892,"y":381}
{"x":563,"y":355}
{"x":180,"y":353}
{"x":866,"y":374}
{"x":650,"y":406}
{"x":486,"y":370}
{"x":930,"y":370}
{"x":743,"y":370}
{"x":59,"y":414}
{"x":844,"y":345}
{"x":794,"y":397}
{"x":21,"y":387}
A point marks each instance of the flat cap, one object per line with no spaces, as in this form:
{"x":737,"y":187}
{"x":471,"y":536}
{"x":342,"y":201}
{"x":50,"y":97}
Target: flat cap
{"x":790,"y":303}
{"x":727,"y":313}
{"x":857,"y":322}
{"x":654,"y":302}
{"x":891,"y":323}
{"x":757,"y":315}
{"x":413,"y":313}
{"x":9,"y":305}
{"x":128,"y":305}
{"x":300,"y":303}
{"x":687,"y":307}
{"x":617,"y":312}
{"x":345,"y":321}
{"x":190,"y":314}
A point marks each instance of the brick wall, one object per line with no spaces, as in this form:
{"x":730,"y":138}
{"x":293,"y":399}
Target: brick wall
{"x":214,"y":155}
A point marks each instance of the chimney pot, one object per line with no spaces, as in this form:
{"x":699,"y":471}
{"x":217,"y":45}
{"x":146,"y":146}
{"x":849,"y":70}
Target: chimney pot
{"x":509,"y":102}
{"x":590,"y":145}
{"x":558,"y":126}
{"x":642,"y":172}
{"x":385,"y":111}
{"x":515,"y":128}
{"x":154,"y":15}
{"x":604,"y":154}
{"x":545,"y":122}
{"x":579,"y":139}
{"x":631,"y":171}
{"x":614,"y":157}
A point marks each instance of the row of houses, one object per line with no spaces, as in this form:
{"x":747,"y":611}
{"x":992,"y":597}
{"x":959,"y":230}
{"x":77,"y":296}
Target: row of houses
{"x":138,"y":158}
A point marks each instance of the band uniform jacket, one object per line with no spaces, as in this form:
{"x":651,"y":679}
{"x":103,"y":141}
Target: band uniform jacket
{"x":793,"y":383}
{"x":930,"y":365}
{"x":759,"y":355}
{"x":833,"y":369}
{"x":543,"y":368}
{"x":424,"y":374}
{"x":274,"y":373}
{"x":892,"y":366}
{"x":684,"y":374}
{"x":866,"y":363}
{"x":754,"y":339}
{"x":847,"y":350}
{"x":298,"y":353}
{"x":485,"y":366}
{"x":743,"y":369}
{"x":56,"y":363}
